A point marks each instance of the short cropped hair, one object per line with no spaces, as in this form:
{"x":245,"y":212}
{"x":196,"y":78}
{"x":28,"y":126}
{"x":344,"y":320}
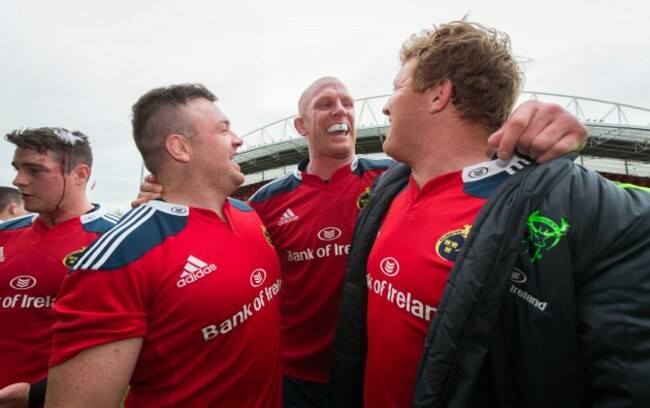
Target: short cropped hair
{"x":9,"y":195}
{"x":158,"y":114}
{"x":486,"y":77}
{"x":70,"y":147}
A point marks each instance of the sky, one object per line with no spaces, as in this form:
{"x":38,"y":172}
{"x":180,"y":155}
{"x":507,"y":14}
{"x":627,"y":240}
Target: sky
{"x":82,"y":64}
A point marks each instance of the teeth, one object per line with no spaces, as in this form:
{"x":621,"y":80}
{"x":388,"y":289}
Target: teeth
{"x":338,"y":127}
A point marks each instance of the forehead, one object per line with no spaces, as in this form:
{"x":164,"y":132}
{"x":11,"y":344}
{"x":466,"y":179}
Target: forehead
{"x":405,"y":73}
{"x":24,"y":155}
{"x":324,"y":89}
{"x":205,"y":112}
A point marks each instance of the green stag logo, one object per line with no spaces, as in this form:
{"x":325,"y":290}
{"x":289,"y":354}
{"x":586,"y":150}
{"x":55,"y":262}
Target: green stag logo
{"x":543,"y":234}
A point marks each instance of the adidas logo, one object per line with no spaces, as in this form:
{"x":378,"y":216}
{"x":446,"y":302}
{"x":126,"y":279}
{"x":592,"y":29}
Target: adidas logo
{"x":194,"y":270}
{"x":288,"y":216}
{"x":2,"y":254}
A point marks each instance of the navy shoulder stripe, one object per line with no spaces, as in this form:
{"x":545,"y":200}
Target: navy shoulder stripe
{"x":240,"y":205}
{"x":99,"y":220}
{"x":18,"y":222}
{"x":364,"y":164}
{"x":482,"y":179}
{"x":137,"y":232}
{"x":284,"y":184}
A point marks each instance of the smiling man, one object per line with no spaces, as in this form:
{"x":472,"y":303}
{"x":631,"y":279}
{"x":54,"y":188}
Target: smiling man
{"x":180,"y":300}
{"x":310,"y":215}
{"x":52,"y":169}
{"x":480,"y":282}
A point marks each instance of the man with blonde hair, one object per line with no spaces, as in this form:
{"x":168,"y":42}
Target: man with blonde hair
{"x":314,"y":208}
{"x":479,"y":282}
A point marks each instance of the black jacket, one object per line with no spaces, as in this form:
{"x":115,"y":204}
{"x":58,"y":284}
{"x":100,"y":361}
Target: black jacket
{"x":535,"y":313}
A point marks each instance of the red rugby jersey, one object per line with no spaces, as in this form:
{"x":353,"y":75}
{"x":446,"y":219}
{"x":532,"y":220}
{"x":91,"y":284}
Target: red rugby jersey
{"x":311,"y":222}
{"x":34,"y":259}
{"x":202,"y":293}
{"x":407,"y":272}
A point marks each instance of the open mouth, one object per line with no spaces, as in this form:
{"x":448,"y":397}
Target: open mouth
{"x":338,"y":129}
{"x":233,"y":163}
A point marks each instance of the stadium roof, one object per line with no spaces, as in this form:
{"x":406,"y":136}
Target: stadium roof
{"x":616,"y":131}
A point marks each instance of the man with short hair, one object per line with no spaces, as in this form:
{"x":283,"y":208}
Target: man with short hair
{"x":478,"y":282}
{"x":11,"y":204}
{"x":179,"y":300}
{"x":310,"y":215}
{"x":52,"y":170}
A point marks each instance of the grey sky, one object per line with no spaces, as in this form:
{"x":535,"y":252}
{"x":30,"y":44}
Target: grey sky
{"x":82,"y":64}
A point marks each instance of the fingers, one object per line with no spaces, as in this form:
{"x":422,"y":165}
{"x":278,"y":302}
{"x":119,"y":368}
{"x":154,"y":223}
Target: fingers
{"x":573,"y":142}
{"x":554,"y":132}
{"x":506,"y":139}
{"x":539,"y":130}
{"x":145,"y":197}
{"x":150,"y":187}
{"x":14,"y":395}
{"x":149,"y":190}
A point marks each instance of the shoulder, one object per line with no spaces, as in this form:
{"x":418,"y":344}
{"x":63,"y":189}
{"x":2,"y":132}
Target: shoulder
{"x":483,"y":179}
{"x":363,"y":164}
{"x":137,"y":232}
{"x":98,"y":220}
{"x":23,"y":221}
{"x":397,"y":172}
{"x":240,"y":205}
{"x":284,"y":184}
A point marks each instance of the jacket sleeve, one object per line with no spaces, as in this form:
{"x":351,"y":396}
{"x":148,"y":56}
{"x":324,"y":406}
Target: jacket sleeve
{"x":610,"y":235}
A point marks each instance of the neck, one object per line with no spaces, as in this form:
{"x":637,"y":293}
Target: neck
{"x":66,"y":210}
{"x":195,"y":195}
{"x":461,"y":146}
{"x":324,"y":167}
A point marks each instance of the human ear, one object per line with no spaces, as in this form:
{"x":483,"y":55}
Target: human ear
{"x":299,"y":124}
{"x":178,"y":147}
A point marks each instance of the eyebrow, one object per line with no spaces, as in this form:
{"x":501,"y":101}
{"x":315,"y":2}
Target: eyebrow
{"x":29,"y":165}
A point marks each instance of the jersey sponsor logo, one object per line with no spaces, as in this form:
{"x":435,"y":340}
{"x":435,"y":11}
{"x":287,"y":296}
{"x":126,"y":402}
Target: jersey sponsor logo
{"x":403,"y":300}
{"x":518,"y":276}
{"x":258,"y":277}
{"x":543,"y":234}
{"x":2,"y":254}
{"x":23,"y":301}
{"x":389,"y":266}
{"x":247,"y":310}
{"x":194,"y":270}
{"x":450,"y":244}
{"x":72,"y":257}
{"x":23,"y":282}
{"x":478,"y":172}
{"x":178,"y":210}
{"x":287,"y":217}
{"x":326,"y":234}
{"x":86,"y":218}
{"x":362,"y":200}
{"x":329,"y":234}
{"x":527,"y":297}
{"x":320,"y":252}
